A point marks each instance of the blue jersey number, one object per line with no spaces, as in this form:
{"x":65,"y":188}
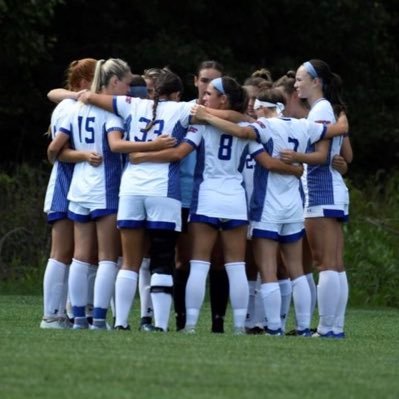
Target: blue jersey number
{"x":158,"y":124}
{"x":295,"y":142}
{"x":225,"y":144}
{"x":249,"y":162}
{"x":88,"y":130}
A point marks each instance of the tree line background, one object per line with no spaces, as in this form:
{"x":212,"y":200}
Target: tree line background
{"x":358,"y":38}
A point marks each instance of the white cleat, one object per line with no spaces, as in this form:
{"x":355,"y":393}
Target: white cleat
{"x":52,"y":323}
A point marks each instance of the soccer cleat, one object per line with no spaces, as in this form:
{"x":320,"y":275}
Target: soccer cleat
{"x":159,"y":329}
{"x":329,"y":334}
{"x":274,"y":333}
{"x":340,"y":335}
{"x":65,"y":322}
{"x":254,"y":330}
{"x":303,"y":333}
{"x":80,"y":323}
{"x":147,"y":327}
{"x":189,"y":330}
{"x":99,"y":325}
{"x":122,"y":328}
{"x":239,"y":331}
{"x":52,"y":323}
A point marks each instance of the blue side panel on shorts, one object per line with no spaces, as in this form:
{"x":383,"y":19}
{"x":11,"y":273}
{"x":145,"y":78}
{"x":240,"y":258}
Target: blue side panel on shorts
{"x":198,"y":176}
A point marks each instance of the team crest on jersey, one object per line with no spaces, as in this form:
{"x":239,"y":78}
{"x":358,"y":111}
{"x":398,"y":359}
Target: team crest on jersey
{"x":128,"y":99}
{"x":261,"y":124}
{"x":192,"y":129}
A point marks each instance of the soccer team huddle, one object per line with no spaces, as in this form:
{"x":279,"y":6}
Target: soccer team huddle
{"x":151,"y":193}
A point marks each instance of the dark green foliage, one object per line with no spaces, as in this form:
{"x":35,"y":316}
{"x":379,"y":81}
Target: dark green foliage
{"x":372,"y":236}
{"x":358,"y":38}
{"x":24,"y":234}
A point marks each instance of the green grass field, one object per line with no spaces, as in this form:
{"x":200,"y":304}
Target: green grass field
{"x":43,"y":364}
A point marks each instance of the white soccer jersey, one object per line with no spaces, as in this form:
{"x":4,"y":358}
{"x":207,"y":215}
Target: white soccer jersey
{"x":61,"y":173}
{"x":151,"y":178}
{"x":276,"y":197}
{"x":94,"y":187}
{"x":218,"y":184}
{"x":325,"y":185}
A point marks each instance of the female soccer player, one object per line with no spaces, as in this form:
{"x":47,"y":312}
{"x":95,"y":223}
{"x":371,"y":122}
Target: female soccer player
{"x":276,"y":210}
{"x":328,"y":198}
{"x":79,"y":76}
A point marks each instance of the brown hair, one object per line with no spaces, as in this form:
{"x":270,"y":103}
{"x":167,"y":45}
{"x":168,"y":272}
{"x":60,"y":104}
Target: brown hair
{"x":78,"y":70}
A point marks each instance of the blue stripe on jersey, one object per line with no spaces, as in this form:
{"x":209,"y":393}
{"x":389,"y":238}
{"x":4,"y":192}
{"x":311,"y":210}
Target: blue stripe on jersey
{"x":179,"y":131}
{"x":174,"y":189}
{"x":112,"y":173}
{"x":115,"y":106}
{"x":198,"y":176}
{"x":320,"y":183}
{"x":243,"y":158}
{"x":261,"y":176}
{"x":63,"y":179}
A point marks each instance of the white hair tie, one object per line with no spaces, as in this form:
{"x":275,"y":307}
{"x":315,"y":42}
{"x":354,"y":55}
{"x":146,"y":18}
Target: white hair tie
{"x":258,"y":104}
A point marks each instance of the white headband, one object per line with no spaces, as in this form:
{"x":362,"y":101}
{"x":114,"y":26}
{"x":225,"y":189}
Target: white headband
{"x":280,"y":106}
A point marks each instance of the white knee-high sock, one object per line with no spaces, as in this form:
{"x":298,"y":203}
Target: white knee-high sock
{"x":301,"y":296}
{"x":112,"y":301}
{"x":313,"y":293}
{"x":91,"y":278}
{"x":343,"y":301}
{"x":78,"y":287}
{"x":53,"y":286}
{"x":62,"y":308}
{"x":195,"y":290}
{"x":239,"y":292}
{"x":286,"y":294}
{"x":161,"y":301}
{"x":103,"y":288}
{"x":328,"y":293}
{"x":260,"y":317}
{"x":272,"y":303}
{"x":125,"y":290}
{"x":144,"y":288}
{"x":250,"y":319}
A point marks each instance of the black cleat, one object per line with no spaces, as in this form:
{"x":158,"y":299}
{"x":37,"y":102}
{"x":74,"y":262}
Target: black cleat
{"x":254,"y":330}
{"x":147,"y":327}
{"x":218,"y":325}
{"x":121,"y":328}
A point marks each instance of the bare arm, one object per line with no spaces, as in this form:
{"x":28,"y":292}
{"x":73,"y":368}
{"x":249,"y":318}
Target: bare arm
{"x":56,"y":146}
{"x":244,"y":132}
{"x":346,"y":150}
{"x":118,"y":144}
{"x":230,"y":115}
{"x":277,"y":166}
{"x":104,"y":101}
{"x":67,"y":154}
{"x":57,"y":95}
{"x":339,"y":164}
{"x":339,"y":128}
{"x":318,"y":156}
{"x":167,"y":155}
